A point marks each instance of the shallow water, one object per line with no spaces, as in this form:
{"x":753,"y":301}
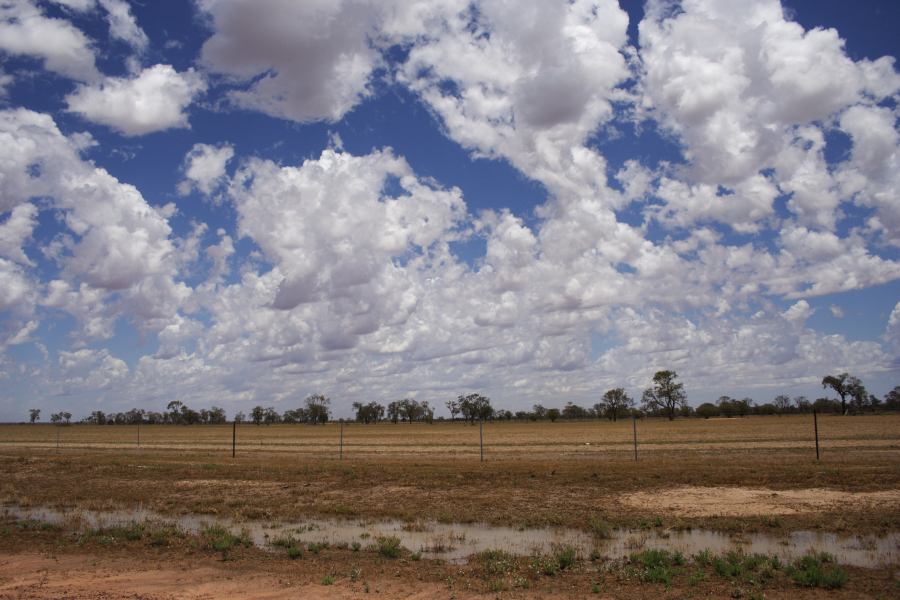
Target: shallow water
{"x":455,"y":542}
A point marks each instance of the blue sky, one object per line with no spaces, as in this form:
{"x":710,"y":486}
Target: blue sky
{"x":234,"y":203}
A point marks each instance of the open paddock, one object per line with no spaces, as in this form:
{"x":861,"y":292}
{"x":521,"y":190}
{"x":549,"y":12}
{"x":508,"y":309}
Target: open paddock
{"x":503,"y":440}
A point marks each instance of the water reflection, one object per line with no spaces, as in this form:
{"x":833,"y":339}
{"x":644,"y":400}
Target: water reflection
{"x":455,"y":542}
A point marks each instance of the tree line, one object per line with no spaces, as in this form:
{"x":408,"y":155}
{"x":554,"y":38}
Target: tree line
{"x":665,"y":397}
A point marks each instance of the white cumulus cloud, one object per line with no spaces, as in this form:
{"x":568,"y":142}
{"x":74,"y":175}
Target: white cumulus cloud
{"x":154,"y":100}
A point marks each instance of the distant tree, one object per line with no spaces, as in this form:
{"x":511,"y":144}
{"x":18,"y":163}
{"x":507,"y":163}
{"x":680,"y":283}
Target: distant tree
{"x":573,"y":411}
{"x":67,"y":416}
{"x":317,"y":408}
{"x":34,"y":414}
{"x":97,"y":418}
{"x":56,"y":418}
{"x":553,"y":414}
{"x":539,"y":412}
{"x":217,"y":415}
{"x":841,"y":386}
{"x":665,"y":394}
{"x":240,"y":417}
{"x":892,"y":399}
{"x":393,"y":411}
{"x":859,"y":396}
{"x":803,"y":404}
{"x":615,"y":404}
{"x":707,"y":410}
{"x":257,"y":414}
{"x":411,"y":410}
{"x":174,"y":408}
{"x":766,"y":409}
{"x":475,"y":407}
{"x":189,"y":416}
{"x":743,"y":406}
{"x":453,"y":407}
{"x":782,"y":403}
{"x":368,"y":413}
{"x":726,"y":406}
{"x":826,"y":405}
{"x":270,"y":415}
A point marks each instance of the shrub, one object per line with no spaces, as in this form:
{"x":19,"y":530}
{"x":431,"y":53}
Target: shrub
{"x":813,"y":570}
{"x":565,"y":556}
{"x":389,"y":547}
{"x":495,"y":562}
{"x":600,"y":528}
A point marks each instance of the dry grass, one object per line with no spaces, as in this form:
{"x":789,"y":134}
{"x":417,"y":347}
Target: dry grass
{"x":534,"y":473}
{"x":503,"y":440}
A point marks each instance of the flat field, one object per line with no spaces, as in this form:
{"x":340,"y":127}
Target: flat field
{"x":740,"y":476}
{"x":506,"y":440}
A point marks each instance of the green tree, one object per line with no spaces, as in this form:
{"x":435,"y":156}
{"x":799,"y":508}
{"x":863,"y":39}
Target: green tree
{"x":393,"y":411}
{"x":782,"y":403}
{"x":475,"y":407}
{"x":553,"y":414}
{"x":257,"y":414}
{"x":317,"y":408}
{"x":453,"y":407}
{"x":615,"y":404}
{"x":34,"y":414}
{"x":892,"y":399}
{"x":858,"y":394}
{"x":841,"y":386}
{"x":707,"y":410}
{"x":174,"y":408}
{"x":666,"y":394}
{"x":368,"y":413}
{"x":271,"y":416}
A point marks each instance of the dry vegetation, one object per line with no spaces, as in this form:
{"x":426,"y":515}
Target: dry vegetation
{"x":533,"y":474}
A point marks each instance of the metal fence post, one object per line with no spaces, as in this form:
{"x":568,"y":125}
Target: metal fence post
{"x":634,"y":427}
{"x":481,"y":438}
{"x":816,"y":430}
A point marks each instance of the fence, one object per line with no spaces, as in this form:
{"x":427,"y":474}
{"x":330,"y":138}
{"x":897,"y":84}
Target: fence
{"x":628,"y":439}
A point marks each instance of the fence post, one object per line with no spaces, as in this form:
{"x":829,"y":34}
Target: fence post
{"x":139,"y":434}
{"x":481,"y":438}
{"x":634,"y":427}
{"x":816,"y":430}
{"x":233,"y":437}
{"x":341,"y":456}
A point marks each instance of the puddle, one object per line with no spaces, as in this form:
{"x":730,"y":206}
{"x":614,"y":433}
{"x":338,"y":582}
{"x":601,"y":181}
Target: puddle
{"x":457,"y":541}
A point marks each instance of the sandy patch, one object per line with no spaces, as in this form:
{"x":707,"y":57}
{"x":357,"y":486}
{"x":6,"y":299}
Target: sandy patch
{"x":86,"y":577}
{"x":740,"y":501}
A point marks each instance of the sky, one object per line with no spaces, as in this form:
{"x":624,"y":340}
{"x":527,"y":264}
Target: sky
{"x":235,"y":203}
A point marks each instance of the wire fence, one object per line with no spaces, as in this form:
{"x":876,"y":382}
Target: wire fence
{"x":631,"y":438}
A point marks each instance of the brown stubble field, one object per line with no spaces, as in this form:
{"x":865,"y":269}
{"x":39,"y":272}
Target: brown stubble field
{"x":734,"y":475}
{"x":533,"y":474}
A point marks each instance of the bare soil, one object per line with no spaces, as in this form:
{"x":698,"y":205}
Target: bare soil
{"x":48,"y":564}
{"x":742,"y":502}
